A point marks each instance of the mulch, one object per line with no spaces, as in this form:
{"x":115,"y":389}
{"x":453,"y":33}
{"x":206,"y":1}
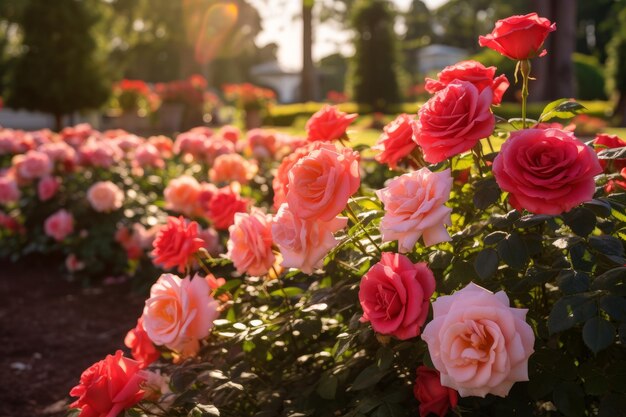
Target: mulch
{"x":51,"y":330}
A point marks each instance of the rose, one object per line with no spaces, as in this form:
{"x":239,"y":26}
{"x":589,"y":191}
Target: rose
{"x":147,"y":155}
{"x":59,"y":225}
{"x":223,"y":206}
{"x":605,"y":141}
{"x":328,"y":124}
{"x":280,"y":183}
{"x":176,"y":244}
{"x":232,"y":167}
{"x":414,"y":208}
{"x":454,"y":120}
{"x":395,"y":294}
{"x":108,"y":387}
{"x":47,"y":188}
{"x":141,"y":347}
{"x":211,"y":241}
{"x":105,"y":196}
{"x":261,"y":143}
{"x":396,"y":142}
{"x":250,"y":243}
{"x":179,"y":313}
{"x":433,"y":397}
{"x":9,"y":191}
{"x":230,"y":133}
{"x":303,"y":244}
{"x":216,"y":147}
{"x":73,"y":264}
{"x":519,"y":37}
{"x":33,"y":165}
{"x":474,"y":72}
{"x":321,"y":182}
{"x":181,"y":195}
{"x":479,"y":344}
{"x":99,"y":153}
{"x":546,"y":171}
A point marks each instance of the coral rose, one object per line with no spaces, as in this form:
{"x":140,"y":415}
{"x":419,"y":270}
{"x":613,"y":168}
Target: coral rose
{"x":321,"y":183}
{"x":519,"y":37}
{"x":176,"y":243}
{"x":395,"y":295}
{"x":181,"y":195}
{"x":59,"y":225}
{"x":141,"y":347}
{"x":230,"y":133}
{"x":303,"y":244}
{"x":280,"y":183}
{"x":9,"y":191}
{"x":396,"y":142}
{"x":223,"y":206}
{"x":433,"y":397}
{"x":415,"y":207}
{"x":454,"y":120}
{"x":328,"y":124}
{"x":474,"y":72}
{"x":250,"y":243}
{"x":109,"y":387}
{"x":605,"y":141}
{"x":47,"y":188}
{"x":546,"y":171}
{"x":105,"y":196}
{"x":179,"y":313}
{"x":478,"y":342}
{"x":232,"y":167}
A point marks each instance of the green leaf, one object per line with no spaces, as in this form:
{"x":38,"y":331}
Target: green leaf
{"x":569,"y":399}
{"x":495,"y":237}
{"x":613,"y":153}
{"x":581,"y":220}
{"x":486,"y":193}
{"x":384,"y":358}
{"x":288,"y":291}
{"x":368,"y":378}
{"x":513,"y":251}
{"x":486,"y":263}
{"x":598,"y":334}
{"x":518,"y":122}
{"x":327,"y":387}
{"x":614,"y":306}
{"x":228,"y":286}
{"x":572,"y":282}
{"x":571,"y":310}
{"x":562,"y":108}
{"x":612,"y":281}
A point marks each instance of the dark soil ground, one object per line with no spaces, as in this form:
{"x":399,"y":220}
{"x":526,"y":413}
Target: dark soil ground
{"x":50,"y":331}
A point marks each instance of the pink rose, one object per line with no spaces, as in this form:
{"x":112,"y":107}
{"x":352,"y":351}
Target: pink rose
{"x":232,"y":167}
{"x":328,"y":124}
{"x":250,"y":243}
{"x":415,"y":207}
{"x":47,"y":187}
{"x":147,"y":155}
{"x":303,"y":244}
{"x":34,"y":165}
{"x":395,"y":295}
{"x":9,"y":191}
{"x":454,"y":120}
{"x":261,"y":143}
{"x":73,"y":264}
{"x":181,"y":195}
{"x":280,"y":183}
{"x":321,"y":183}
{"x":179,"y":313}
{"x":474,"y":72}
{"x":546,"y":171}
{"x":519,"y":37}
{"x":59,"y":225}
{"x":478,"y":342}
{"x":105,"y":196}
{"x":230,"y":133}
{"x":217,"y":147}
{"x":396,"y":142}
{"x":100,"y":153}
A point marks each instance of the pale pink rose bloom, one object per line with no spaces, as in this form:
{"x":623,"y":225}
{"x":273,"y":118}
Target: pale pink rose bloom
{"x":9,"y":191}
{"x":191,"y":143}
{"x":59,"y":225}
{"x":73,"y":264}
{"x":127,"y":142}
{"x":105,"y":196}
{"x":414,"y":208}
{"x":321,"y":183}
{"x":303,"y":244}
{"x":147,"y":155}
{"x":478,"y":342}
{"x":100,"y":153}
{"x":250,"y":243}
{"x":232,"y":167}
{"x":34,"y":165}
{"x":179,"y":313}
{"x":181,"y":195}
{"x":58,"y":151}
{"x":216,"y":147}
{"x":47,"y":187}
{"x":261,"y":143}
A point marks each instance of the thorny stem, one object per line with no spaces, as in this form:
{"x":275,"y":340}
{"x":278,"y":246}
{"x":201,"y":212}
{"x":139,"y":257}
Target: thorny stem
{"x":525,"y":70}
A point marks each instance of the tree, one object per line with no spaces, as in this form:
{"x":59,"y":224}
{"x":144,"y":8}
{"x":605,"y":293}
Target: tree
{"x":419,"y":33}
{"x":616,"y":67}
{"x":374,"y":68}
{"x":58,"y":74}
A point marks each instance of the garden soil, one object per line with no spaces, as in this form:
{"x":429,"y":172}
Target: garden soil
{"x":51,"y":330}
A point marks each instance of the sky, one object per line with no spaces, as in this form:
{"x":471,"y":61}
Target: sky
{"x":282,"y":26}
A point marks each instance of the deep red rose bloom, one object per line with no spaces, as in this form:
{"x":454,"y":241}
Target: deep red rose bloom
{"x":474,"y":72}
{"x":433,"y":397}
{"x":453,"y":121}
{"x":328,"y":124}
{"x":108,"y":387}
{"x":519,"y":37}
{"x":141,"y":347}
{"x":176,"y":243}
{"x":605,"y":141}
{"x":396,"y":142}
{"x":223,"y":206}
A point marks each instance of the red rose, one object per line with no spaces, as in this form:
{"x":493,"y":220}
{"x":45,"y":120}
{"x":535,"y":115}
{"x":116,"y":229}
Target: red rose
{"x":108,"y":387}
{"x":140,"y":345}
{"x":546,"y":171}
{"x":519,"y":37}
{"x":223,"y":206}
{"x":396,"y":142}
{"x":176,"y":243}
{"x":454,"y":120}
{"x":605,"y":141}
{"x":474,"y":72}
{"x":328,"y":124}
{"x":433,"y":397}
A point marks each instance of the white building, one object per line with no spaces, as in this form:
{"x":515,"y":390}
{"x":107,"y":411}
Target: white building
{"x":285,"y":83}
{"x":435,"y":57}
